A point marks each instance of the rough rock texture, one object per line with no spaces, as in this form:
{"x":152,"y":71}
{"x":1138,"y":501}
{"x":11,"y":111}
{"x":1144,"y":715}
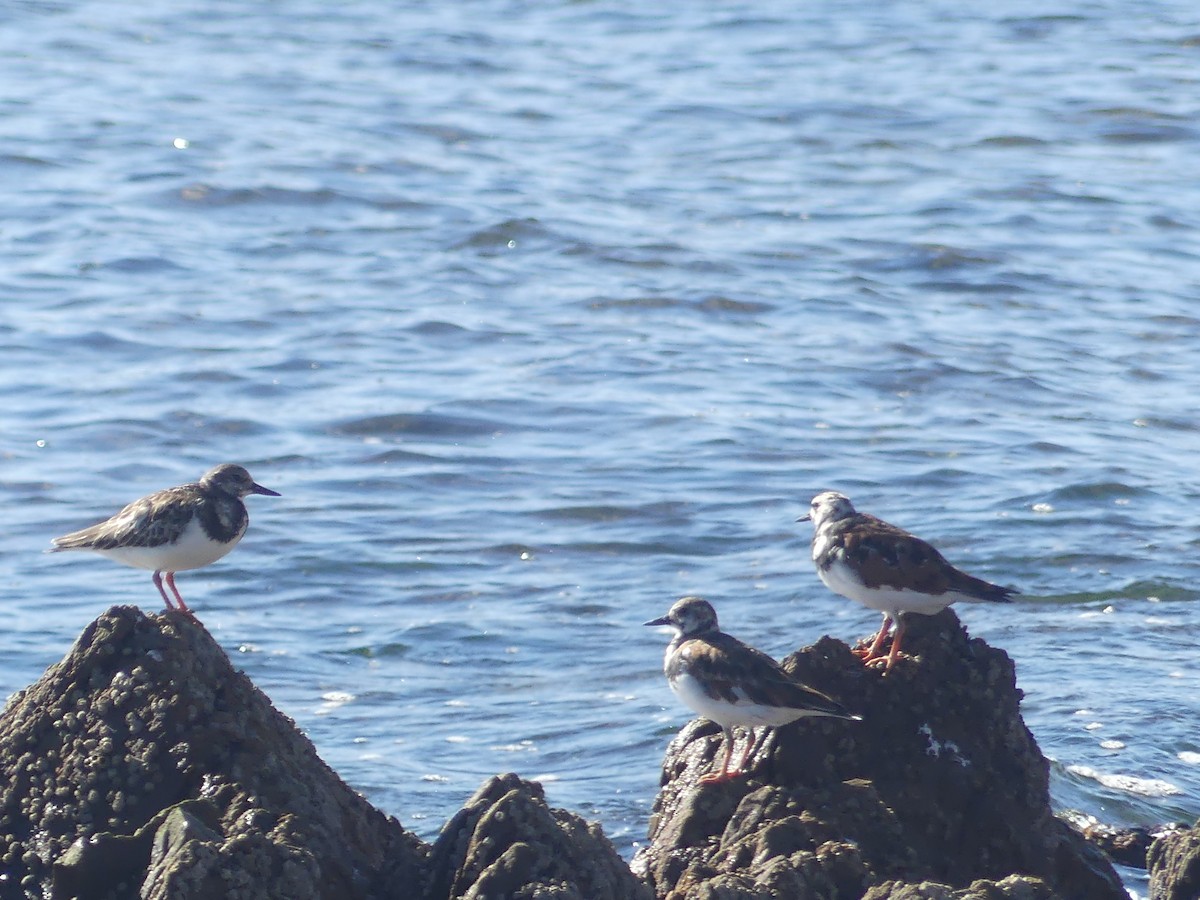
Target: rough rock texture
{"x":143,"y":765}
{"x":939,"y":792}
{"x":1174,"y":864}
{"x":1125,"y":846}
{"x":1015,"y":887}
{"x":507,"y":843}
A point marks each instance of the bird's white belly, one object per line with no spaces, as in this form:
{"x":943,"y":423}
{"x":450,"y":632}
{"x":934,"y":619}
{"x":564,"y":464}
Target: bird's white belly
{"x":841,"y":579}
{"x":725,"y":714}
{"x":192,"y":550}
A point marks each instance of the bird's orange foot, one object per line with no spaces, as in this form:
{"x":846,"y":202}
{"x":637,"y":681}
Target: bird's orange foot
{"x":718,"y":777}
{"x":885,"y":662}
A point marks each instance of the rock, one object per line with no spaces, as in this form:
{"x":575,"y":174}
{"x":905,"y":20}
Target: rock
{"x":144,"y":765}
{"x":507,"y":843}
{"x":1125,"y":846}
{"x":940,"y":788}
{"x":91,"y":866}
{"x":181,"y":839}
{"x":1015,"y":887}
{"x":1174,"y":864}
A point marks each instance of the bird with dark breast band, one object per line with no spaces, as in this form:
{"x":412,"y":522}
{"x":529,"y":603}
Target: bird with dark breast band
{"x":176,"y":529}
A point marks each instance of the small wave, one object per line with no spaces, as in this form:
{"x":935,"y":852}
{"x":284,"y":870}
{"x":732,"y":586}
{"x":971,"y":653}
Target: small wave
{"x":332,"y":701}
{"x":510,"y":234}
{"x":719,"y":305}
{"x":20,"y":159}
{"x":1098,"y":490}
{"x":1011,"y":140}
{"x":134,"y":265}
{"x":428,"y":425}
{"x":1135,"y":125}
{"x":1130,"y":784}
{"x":608,"y":513}
{"x":396,"y":456}
{"x":202,"y":194}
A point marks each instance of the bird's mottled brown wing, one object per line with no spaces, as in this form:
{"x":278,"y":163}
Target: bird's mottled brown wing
{"x":149,"y":522}
{"x":887,"y":556}
{"x":733,"y":671}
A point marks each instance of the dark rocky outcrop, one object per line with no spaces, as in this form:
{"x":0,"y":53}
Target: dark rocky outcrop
{"x":1124,"y":846}
{"x":940,"y":792}
{"x":144,"y":765}
{"x":1174,"y":864}
{"x":507,"y":843}
{"x":1015,"y":887}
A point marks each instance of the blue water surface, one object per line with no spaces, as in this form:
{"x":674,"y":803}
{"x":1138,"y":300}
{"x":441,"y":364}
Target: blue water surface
{"x":540,"y":315}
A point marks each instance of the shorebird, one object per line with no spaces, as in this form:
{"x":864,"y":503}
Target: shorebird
{"x":731,"y":683}
{"x":883,"y":567}
{"x":176,"y":529}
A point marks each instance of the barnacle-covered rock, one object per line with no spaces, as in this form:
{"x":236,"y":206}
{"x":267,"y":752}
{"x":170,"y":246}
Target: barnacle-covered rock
{"x":940,"y":791}
{"x":144,"y":765}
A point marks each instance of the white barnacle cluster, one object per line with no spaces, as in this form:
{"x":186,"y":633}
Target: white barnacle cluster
{"x":936,"y":748}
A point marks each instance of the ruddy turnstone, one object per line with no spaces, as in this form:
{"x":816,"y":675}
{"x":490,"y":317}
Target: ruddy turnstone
{"x":886,"y":568}
{"x":179,"y":528}
{"x":731,"y":683}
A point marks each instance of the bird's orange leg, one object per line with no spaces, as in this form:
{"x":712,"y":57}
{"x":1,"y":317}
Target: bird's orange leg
{"x":751,"y":742}
{"x":894,"y":653}
{"x":724,"y":774}
{"x":872,"y":653}
{"x":891,"y":661}
{"x":158,"y":584}
{"x":171,"y":584}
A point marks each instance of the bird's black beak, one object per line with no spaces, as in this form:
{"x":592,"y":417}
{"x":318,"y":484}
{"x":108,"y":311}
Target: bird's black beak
{"x":661,"y":620}
{"x":259,"y":489}
{"x":807,"y":517}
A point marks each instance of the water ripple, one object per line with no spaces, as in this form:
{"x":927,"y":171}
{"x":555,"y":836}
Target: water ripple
{"x":541,"y":315}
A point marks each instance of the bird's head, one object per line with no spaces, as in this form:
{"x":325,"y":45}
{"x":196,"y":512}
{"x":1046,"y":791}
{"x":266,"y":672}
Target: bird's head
{"x":234,"y":480}
{"x":826,"y":507}
{"x":689,"y":616}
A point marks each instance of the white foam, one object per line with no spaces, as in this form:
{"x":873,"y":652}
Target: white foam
{"x":1145,"y":787}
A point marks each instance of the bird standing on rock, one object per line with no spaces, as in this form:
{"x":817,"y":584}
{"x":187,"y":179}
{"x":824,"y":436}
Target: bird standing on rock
{"x":176,"y":529}
{"x":884,"y":567}
{"x":731,"y":683}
